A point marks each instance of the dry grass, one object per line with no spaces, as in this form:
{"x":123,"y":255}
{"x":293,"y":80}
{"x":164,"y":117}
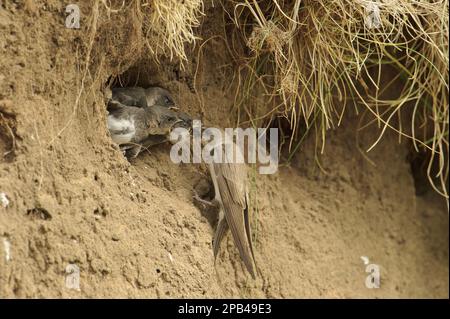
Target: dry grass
{"x":316,"y":57}
{"x":169,"y":25}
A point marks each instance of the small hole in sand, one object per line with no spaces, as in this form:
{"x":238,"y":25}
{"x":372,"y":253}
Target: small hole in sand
{"x":39,"y":213}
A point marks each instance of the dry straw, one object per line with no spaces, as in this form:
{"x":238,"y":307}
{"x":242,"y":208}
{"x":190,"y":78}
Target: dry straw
{"x":169,"y":26}
{"x":320,"y":56}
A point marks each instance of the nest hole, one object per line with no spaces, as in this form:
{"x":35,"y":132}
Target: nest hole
{"x":145,"y":73}
{"x":419,"y":163}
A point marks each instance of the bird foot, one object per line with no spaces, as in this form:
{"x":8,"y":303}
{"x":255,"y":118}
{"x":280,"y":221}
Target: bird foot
{"x":205,"y":202}
{"x":133,"y":152}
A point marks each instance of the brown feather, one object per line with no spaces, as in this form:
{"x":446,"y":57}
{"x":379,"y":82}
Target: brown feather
{"x":222,"y":227}
{"x":231,"y":180}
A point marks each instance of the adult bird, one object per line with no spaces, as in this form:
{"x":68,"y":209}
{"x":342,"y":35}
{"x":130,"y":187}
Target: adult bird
{"x":230,"y":181}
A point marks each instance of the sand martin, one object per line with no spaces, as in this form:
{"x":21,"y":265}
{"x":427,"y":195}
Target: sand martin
{"x":231,"y":198}
{"x":140,"y":97}
{"x":130,"y":126}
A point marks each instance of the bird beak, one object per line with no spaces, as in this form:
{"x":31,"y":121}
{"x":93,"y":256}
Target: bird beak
{"x":174,"y":124}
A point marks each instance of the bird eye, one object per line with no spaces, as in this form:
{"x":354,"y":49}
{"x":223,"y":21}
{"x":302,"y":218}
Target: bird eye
{"x":171,"y":119}
{"x":167,"y":100}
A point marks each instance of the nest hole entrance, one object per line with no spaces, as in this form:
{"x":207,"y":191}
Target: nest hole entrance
{"x":419,"y":163}
{"x":146,"y":73}
{"x":285,"y":133}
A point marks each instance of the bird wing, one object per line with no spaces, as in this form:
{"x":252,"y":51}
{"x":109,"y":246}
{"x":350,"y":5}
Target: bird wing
{"x":222,"y":227}
{"x":131,"y":96}
{"x":114,"y":106}
{"x":231,"y":181}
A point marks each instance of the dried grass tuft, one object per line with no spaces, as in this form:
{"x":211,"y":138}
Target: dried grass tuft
{"x":169,"y":25}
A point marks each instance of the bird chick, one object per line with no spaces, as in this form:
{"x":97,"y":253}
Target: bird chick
{"x":184,"y":121}
{"x":130,"y":126}
{"x":140,"y":97}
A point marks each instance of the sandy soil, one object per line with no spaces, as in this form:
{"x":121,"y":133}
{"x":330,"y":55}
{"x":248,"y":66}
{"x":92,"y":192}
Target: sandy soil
{"x":133,"y":229}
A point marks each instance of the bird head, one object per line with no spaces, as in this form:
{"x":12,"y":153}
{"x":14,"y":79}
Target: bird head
{"x":165,"y":119}
{"x":157,"y":95}
{"x":185,"y":121}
